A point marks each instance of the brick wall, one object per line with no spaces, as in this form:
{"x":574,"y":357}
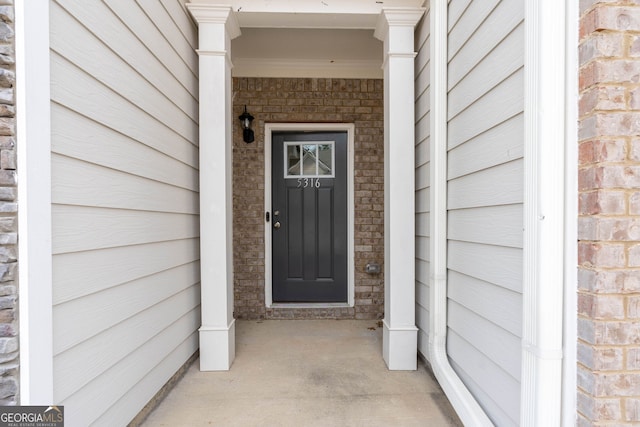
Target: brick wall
{"x":609,"y":223}
{"x":308,"y":100}
{"x":8,"y":212}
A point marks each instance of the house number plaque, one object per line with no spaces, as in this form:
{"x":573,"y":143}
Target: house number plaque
{"x":309,"y":182}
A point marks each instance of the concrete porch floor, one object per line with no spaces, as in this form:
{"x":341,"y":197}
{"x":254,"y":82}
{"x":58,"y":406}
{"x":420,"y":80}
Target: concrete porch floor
{"x":306,"y":373}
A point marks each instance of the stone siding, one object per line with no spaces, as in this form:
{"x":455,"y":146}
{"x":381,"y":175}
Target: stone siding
{"x":609,"y":222}
{"x":310,"y":100}
{"x":9,"y":361}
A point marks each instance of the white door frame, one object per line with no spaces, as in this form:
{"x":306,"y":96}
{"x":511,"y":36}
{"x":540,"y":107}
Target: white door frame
{"x":269,"y":128}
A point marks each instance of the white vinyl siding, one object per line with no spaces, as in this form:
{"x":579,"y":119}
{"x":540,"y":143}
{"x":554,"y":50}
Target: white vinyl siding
{"x":422,"y":183}
{"x":485,"y":196}
{"x":126,"y":273}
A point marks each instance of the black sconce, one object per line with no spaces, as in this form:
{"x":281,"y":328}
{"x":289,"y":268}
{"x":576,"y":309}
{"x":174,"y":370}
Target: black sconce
{"x":246,"y":119}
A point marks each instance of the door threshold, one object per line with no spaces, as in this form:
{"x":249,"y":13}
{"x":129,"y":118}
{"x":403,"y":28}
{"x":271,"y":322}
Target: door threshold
{"x":310,"y":305}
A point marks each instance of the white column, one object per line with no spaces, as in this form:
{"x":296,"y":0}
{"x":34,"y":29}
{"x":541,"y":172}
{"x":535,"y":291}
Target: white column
{"x":216,"y":26}
{"x":400,"y":335}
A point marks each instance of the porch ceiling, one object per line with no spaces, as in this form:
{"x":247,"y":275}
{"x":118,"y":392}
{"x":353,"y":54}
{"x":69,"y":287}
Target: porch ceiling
{"x":294,"y":52}
{"x":308,"y":38}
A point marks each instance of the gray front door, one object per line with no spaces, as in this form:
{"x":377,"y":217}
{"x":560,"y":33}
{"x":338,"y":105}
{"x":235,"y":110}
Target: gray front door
{"x":309,"y":216}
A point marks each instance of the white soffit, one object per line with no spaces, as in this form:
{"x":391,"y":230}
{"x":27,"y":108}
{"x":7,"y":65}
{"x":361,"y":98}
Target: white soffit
{"x":280,"y":52}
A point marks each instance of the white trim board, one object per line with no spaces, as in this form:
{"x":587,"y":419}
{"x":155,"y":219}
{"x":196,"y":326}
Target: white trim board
{"x":34,"y":192}
{"x":347,"y":14}
{"x":269,"y":128}
{"x":309,"y":68}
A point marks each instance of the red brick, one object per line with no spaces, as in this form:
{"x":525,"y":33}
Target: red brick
{"x":634,"y":154}
{"x":587,"y":24}
{"x":603,"y":202}
{"x":633,"y":307}
{"x":601,"y":306}
{"x":601,"y":255}
{"x":601,"y":45}
{"x":588,"y":126}
{"x":633,"y":359}
{"x":607,"y":281}
{"x":609,"y":150}
{"x":586,"y":330}
{"x":585,"y":153}
{"x":616,"y":333}
{"x":603,"y":98}
{"x":617,"y":176}
{"x":634,"y":256}
{"x":632,"y":409}
{"x":609,"y":229}
{"x":609,"y":307}
{"x":609,"y":205}
{"x":634,"y":203}
{"x":617,"y":18}
{"x":619,"y":384}
{"x":608,"y":359}
{"x":617,"y":124}
{"x":634,"y":98}
{"x":588,"y":77}
{"x":602,"y":409}
{"x":610,"y":71}
{"x":634,"y":46}
{"x":601,"y":359}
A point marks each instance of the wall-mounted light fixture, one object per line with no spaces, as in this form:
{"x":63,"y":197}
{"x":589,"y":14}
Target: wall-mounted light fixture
{"x":246,"y":119}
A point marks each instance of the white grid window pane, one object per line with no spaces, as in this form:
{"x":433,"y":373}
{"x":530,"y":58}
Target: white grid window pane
{"x":309,"y":160}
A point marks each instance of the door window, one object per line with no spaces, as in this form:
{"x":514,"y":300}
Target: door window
{"x":306,"y":160}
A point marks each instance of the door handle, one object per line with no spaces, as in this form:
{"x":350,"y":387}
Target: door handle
{"x":276,"y":225}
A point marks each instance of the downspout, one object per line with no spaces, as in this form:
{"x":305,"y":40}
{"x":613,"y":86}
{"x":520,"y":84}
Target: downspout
{"x":462,"y":400}
{"x":544,"y":201}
